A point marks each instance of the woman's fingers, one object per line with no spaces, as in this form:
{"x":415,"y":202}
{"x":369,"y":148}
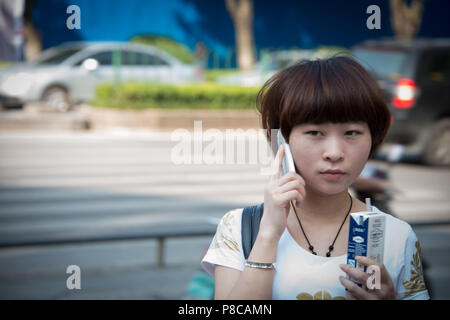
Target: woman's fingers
{"x":353,"y":290}
{"x":291,"y":176}
{"x":355,"y":273}
{"x":292,"y":180}
{"x":359,"y":292}
{"x":277,"y":163}
{"x":385,"y":289}
{"x":293,"y":185}
{"x":367,"y":262}
{"x":286,"y":197}
{"x":386,"y":285}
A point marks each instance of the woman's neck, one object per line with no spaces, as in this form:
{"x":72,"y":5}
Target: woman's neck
{"x":324,"y":208}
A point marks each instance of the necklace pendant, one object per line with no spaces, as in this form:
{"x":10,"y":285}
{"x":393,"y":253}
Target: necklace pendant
{"x":330,"y":248}
{"x":328,"y":254}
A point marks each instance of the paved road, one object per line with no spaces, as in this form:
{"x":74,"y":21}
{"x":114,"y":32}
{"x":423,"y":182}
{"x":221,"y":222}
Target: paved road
{"x":58,"y":184}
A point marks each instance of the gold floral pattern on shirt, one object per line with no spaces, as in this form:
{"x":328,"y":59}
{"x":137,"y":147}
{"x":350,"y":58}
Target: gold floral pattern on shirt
{"x":416,"y":283}
{"x":319,"y":295}
{"x":223,"y":238}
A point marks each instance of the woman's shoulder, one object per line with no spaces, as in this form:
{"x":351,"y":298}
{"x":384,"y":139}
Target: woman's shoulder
{"x":230,"y":223}
{"x":225,"y":248}
{"x":231,"y":217}
{"x":233,"y":213}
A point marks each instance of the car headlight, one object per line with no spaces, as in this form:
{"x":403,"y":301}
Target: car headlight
{"x":17,"y":84}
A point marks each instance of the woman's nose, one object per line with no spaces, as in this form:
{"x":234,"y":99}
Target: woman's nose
{"x":333,"y":150}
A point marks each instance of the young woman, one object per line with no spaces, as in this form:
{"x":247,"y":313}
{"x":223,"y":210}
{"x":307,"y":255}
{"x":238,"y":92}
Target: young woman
{"x":334,"y":117}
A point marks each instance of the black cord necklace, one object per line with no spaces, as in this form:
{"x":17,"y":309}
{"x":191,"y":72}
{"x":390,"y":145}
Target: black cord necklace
{"x":331,"y":247}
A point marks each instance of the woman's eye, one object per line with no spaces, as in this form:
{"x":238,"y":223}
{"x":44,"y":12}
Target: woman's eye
{"x":314,"y":133}
{"x":352,"y":133}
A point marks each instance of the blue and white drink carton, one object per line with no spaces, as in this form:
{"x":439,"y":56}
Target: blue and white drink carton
{"x":366,"y":237}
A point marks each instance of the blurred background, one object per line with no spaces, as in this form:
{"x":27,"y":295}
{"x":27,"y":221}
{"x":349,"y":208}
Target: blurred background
{"x":91,"y":93}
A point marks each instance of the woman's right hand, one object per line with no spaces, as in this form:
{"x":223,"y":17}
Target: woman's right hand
{"x":278,"y":194}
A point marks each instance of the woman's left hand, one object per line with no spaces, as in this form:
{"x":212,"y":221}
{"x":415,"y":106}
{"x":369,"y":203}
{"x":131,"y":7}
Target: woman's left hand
{"x":385,"y":290}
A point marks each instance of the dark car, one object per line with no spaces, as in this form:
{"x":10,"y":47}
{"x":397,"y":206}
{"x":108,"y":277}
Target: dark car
{"x":415,"y":78}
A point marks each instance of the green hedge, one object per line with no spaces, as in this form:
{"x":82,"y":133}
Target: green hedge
{"x":4,"y":64}
{"x":178,"y":50}
{"x":213,"y":74}
{"x":189,"y":96}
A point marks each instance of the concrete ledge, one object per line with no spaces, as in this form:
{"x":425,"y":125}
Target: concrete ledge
{"x":171,"y":119}
{"x":34,"y":118}
{"x":86,"y":117}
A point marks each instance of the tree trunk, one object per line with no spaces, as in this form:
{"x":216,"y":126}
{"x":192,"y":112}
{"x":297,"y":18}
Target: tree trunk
{"x":406,"y":20}
{"x":33,"y":41}
{"x":241,"y":12}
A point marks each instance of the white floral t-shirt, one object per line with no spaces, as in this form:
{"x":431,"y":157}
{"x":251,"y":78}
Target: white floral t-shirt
{"x":302,"y":275}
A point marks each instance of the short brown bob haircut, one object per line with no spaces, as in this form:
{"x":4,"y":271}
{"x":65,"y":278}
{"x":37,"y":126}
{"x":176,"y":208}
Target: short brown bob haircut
{"x":336,"y":89}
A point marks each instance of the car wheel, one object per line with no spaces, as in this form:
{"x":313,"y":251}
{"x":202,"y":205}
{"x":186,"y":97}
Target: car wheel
{"x":437,"y":151}
{"x":57,"y":98}
{"x":17,"y":106}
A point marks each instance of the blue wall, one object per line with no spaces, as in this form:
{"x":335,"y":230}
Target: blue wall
{"x":277,"y":24}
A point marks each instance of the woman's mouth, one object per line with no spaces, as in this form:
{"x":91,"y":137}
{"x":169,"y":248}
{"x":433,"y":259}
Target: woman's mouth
{"x":333,"y":174}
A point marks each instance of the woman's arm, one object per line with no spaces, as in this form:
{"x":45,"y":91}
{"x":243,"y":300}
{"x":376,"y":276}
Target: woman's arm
{"x":252,"y":283}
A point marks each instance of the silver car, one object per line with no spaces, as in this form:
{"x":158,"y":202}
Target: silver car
{"x":69,"y":73}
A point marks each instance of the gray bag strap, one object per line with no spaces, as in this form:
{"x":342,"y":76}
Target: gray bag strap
{"x":251,"y":217}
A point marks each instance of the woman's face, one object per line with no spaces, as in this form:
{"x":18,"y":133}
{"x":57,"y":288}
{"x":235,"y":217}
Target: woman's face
{"x":339,"y":147}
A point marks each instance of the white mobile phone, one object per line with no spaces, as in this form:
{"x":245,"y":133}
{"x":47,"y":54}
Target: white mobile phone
{"x":287,"y":164}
